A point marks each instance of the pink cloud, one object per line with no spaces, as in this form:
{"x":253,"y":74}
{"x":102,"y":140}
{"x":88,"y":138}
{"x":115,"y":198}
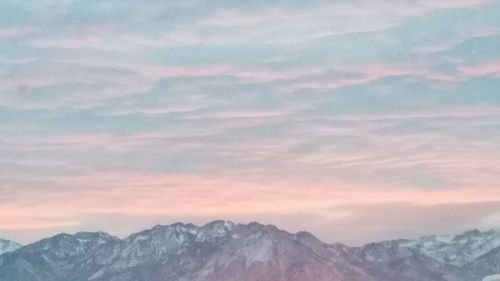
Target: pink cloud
{"x":250,"y":114}
{"x":142,"y":194}
{"x":10,"y":33}
{"x":177,"y":71}
{"x":455,"y":3}
{"x":24,"y":222}
{"x":86,"y":141}
{"x":361,"y":74}
{"x":230,"y":18}
{"x":486,"y":69}
{"x":456,"y":112}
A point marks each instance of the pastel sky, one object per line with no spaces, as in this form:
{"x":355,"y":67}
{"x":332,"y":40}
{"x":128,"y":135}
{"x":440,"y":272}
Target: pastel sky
{"x":356,"y":120}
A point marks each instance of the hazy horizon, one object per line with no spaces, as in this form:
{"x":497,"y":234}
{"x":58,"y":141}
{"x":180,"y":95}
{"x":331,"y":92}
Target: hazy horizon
{"x":201,"y":223}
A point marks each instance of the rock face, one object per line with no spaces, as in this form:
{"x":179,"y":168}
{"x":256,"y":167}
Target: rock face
{"x":225,"y":251}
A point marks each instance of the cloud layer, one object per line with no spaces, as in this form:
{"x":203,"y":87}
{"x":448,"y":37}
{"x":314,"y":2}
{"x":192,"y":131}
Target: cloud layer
{"x":279,"y":111}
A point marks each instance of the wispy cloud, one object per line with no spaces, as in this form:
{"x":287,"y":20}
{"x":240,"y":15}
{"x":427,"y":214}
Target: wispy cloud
{"x":336,"y":111}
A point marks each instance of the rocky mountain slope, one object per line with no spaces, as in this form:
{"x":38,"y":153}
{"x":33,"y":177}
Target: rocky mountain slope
{"x":225,"y":251}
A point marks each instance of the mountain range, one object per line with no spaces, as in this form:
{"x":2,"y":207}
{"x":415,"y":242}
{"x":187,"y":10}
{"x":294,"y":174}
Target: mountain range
{"x":225,"y":251}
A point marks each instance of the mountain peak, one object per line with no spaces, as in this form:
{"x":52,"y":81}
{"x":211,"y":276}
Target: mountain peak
{"x":178,"y":226}
{"x":7,"y":246}
{"x":471,"y":234}
{"x":217,"y":228}
{"x":97,"y":234}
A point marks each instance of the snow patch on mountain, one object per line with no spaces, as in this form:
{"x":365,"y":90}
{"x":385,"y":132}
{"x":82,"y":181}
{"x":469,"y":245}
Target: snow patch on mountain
{"x":456,"y":250}
{"x":495,"y":277}
{"x":7,"y":246}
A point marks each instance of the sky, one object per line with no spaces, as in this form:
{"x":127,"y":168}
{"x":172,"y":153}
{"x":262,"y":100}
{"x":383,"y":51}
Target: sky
{"x":359,"y":120}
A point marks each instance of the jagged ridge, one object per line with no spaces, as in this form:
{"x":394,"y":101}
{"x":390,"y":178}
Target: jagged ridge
{"x":225,"y":251}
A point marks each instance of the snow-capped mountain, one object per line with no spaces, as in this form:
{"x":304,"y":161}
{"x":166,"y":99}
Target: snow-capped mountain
{"x":225,"y":251}
{"x":456,"y":250}
{"x":7,"y":246}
